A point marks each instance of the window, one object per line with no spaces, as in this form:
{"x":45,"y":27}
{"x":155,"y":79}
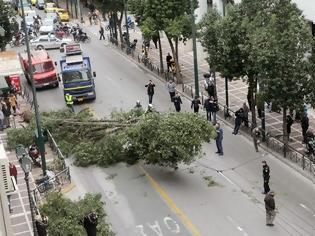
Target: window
{"x":76,"y":76}
{"x":43,"y":67}
{"x":43,"y":40}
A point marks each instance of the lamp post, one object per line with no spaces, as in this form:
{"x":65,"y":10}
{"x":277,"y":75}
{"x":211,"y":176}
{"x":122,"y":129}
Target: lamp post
{"x":37,"y":115}
{"x":193,"y":29}
{"x":26,"y":164}
{"x":127,"y":28}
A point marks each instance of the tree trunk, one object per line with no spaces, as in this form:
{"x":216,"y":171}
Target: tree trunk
{"x":161,"y":53}
{"x":115,"y":27}
{"x":252,"y":98}
{"x":119,"y":27}
{"x":175,"y":53}
{"x":285,"y":133}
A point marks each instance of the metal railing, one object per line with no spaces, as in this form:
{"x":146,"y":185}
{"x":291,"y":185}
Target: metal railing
{"x":54,"y":147}
{"x":272,"y":142}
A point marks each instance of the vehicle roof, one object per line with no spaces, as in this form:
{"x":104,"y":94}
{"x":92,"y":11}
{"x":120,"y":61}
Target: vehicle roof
{"x":38,"y":56}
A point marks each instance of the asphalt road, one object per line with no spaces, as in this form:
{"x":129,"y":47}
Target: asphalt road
{"x":153,"y":201}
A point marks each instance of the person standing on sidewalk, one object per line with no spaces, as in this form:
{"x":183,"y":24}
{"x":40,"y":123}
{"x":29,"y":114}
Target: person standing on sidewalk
{"x":256,"y":133}
{"x":218,"y":139}
{"x":266,"y":176}
{"x":304,"y":125}
{"x":13,"y":171}
{"x":177,"y":102}
{"x":150,"y":90}
{"x":168,"y":61}
{"x":239,"y":116}
{"x":195,"y":104}
{"x":7,"y":113}
{"x":246,"y":111}
{"x":171,"y":87}
{"x":206,"y":106}
{"x":289,"y":124}
{"x":102,"y":33}
{"x":270,"y":206}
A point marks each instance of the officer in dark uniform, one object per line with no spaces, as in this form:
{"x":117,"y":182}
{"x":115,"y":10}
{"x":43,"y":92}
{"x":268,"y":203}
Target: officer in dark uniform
{"x":266,"y":176}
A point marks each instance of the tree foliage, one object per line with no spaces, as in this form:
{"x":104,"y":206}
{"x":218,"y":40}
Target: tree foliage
{"x":66,"y":215}
{"x":163,"y":139}
{"x":5,"y":14}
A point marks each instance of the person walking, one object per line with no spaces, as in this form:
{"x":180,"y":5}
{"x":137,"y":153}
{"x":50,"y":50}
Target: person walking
{"x":270,"y":207}
{"x":168,"y":61}
{"x":171,"y":87}
{"x":206,"y":106}
{"x":289,"y":124}
{"x":214,"y":108}
{"x":69,"y":102}
{"x":239,"y":116}
{"x":266,"y":176}
{"x":177,"y":102}
{"x":41,"y":225}
{"x":195,"y":104}
{"x":218,"y":139}
{"x":7,"y":113}
{"x":102,"y":33}
{"x":90,"y":222}
{"x":246,"y":111}
{"x":150,"y":90}
{"x":256,"y":133}
{"x":13,"y":102}
{"x":13,"y":171}
{"x":209,"y":84}
{"x":304,"y":125}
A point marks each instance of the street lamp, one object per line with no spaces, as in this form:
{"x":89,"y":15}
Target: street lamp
{"x":37,"y":115}
{"x":193,"y":29}
{"x":26,"y":164}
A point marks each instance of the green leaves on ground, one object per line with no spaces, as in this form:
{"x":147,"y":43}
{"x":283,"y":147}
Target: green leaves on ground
{"x":162,"y":139}
{"x":66,"y":215}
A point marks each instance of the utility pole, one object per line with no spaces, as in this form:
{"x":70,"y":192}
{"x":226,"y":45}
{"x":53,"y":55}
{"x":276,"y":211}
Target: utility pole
{"x":127,"y":28}
{"x":193,"y":29}
{"x":39,"y":136}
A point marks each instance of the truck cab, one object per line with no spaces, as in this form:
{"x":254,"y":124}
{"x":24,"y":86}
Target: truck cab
{"x":44,"y":71}
{"x":78,"y":80}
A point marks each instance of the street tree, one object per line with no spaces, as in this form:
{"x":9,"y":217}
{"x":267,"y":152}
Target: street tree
{"x":282,"y":48}
{"x":5,"y":14}
{"x":65,"y":215}
{"x":163,"y":139}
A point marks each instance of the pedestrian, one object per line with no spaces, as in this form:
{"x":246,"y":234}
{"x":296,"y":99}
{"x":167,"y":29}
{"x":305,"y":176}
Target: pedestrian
{"x":177,"y":102}
{"x":102,"y":33}
{"x":13,"y":102}
{"x":289,"y":124}
{"x":195,"y":104}
{"x":13,"y":171}
{"x":270,"y":206}
{"x":150,"y":90}
{"x":256,"y":133}
{"x":90,"y":222}
{"x":209,"y":84}
{"x":41,"y":225}
{"x":90,"y":17}
{"x":218,"y":139}
{"x":266,"y":176}
{"x":171,"y":87}
{"x":239,"y":116}
{"x":1,"y":119}
{"x":214,"y":108}
{"x":206,"y":106}
{"x":168,"y":61}
{"x":304,"y":125}
{"x":246,"y":111}
{"x":69,"y":102}
{"x":7,"y":113}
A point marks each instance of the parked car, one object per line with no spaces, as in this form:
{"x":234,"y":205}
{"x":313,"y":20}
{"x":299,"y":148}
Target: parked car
{"x":50,"y":42}
{"x":47,"y":26}
{"x":40,"y":4}
{"x":50,"y":7}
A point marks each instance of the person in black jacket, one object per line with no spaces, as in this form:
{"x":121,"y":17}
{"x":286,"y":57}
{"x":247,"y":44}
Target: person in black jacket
{"x":90,"y":222}
{"x":206,"y":106}
{"x":150,"y":90}
{"x":195,"y":104}
{"x":304,"y":125}
{"x":41,"y":225}
{"x":289,"y":124}
{"x":177,"y":102}
{"x":239,"y":116}
{"x":266,"y":176}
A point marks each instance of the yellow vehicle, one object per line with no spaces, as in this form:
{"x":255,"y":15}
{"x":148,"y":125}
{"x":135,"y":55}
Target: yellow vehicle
{"x":33,"y":2}
{"x":63,"y":14}
{"x":50,"y":7}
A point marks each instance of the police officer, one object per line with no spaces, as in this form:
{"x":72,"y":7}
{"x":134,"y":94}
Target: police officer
{"x":69,"y":101}
{"x":266,"y":176}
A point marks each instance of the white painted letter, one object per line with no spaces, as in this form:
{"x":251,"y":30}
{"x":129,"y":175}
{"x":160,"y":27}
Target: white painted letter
{"x":156,"y":228}
{"x":140,"y":229}
{"x":175,"y":229}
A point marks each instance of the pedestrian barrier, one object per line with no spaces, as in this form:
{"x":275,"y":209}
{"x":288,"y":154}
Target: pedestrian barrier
{"x":272,"y":142}
{"x":54,"y":147}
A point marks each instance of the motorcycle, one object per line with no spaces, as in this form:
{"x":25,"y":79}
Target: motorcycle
{"x":82,"y":38}
{"x":17,"y":40}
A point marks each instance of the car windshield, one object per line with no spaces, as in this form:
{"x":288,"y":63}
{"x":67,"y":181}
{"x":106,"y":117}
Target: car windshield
{"x":43,"y":67}
{"x":50,"y":5}
{"x":76,"y":76}
{"x":40,"y":1}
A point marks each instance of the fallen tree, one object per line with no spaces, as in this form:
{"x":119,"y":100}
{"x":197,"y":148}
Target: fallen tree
{"x":163,"y":139}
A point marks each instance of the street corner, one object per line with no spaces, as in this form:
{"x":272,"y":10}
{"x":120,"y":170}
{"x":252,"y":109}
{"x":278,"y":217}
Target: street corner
{"x":68,"y":188}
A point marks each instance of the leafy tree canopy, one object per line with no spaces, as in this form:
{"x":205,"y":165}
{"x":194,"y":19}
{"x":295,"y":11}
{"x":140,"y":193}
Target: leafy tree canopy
{"x":66,"y":216}
{"x":5,"y":14}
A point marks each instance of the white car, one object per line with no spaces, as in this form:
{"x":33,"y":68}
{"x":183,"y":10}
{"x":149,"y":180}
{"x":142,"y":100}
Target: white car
{"x":31,"y":13}
{"x":47,"y":26}
{"x":52,"y":15}
{"x":50,"y":42}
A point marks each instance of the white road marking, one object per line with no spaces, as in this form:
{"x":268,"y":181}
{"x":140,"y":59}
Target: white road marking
{"x":307,"y":209}
{"x":239,"y":228}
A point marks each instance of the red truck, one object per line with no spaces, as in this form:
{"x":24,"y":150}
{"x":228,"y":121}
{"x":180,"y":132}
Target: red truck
{"x":44,"y":71}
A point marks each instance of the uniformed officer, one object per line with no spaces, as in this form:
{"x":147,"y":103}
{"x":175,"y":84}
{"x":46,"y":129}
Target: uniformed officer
{"x":69,"y":101}
{"x":266,"y":176}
